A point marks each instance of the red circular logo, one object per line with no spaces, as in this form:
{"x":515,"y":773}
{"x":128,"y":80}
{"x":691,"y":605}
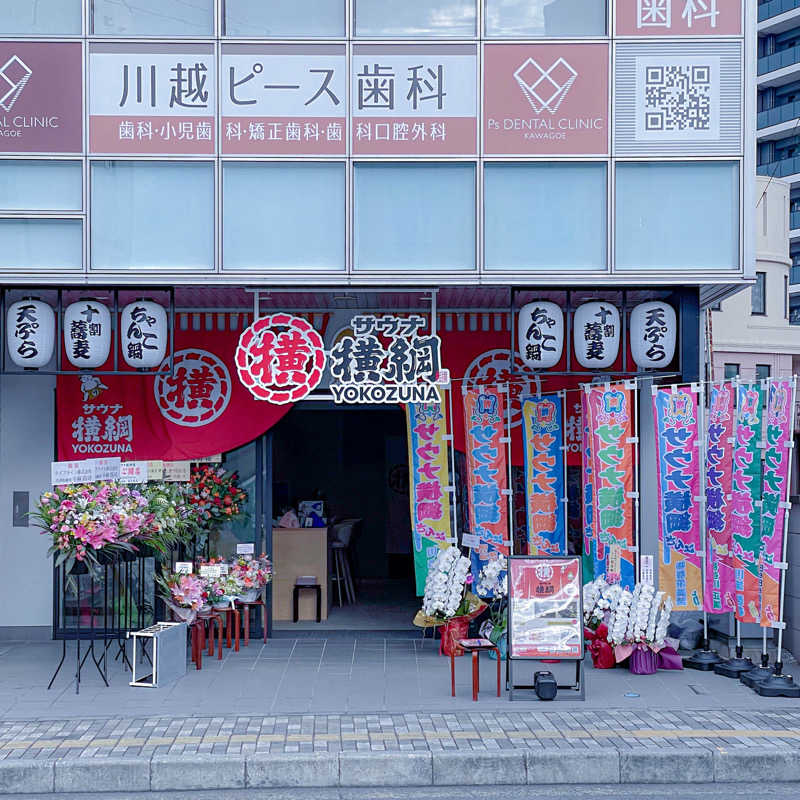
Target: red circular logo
{"x":197,"y":391}
{"x":280,"y":358}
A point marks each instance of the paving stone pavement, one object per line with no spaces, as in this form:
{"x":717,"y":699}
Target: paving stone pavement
{"x":371,"y":712}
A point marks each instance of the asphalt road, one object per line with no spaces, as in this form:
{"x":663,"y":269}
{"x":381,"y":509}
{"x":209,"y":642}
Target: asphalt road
{"x":730,"y":791}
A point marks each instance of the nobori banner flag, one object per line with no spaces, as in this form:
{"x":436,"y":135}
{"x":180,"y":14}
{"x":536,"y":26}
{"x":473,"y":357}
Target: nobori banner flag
{"x":544,"y":475}
{"x":610,"y":425}
{"x":774,"y":494}
{"x":429,"y":481}
{"x":719,"y":588}
{"x":678,"y":473}
{"x":746,"y":500}
{"x":487,"y":472}
{"x":589,"y":535}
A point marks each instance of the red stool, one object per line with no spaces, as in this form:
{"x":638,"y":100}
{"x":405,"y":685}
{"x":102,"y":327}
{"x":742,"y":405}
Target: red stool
{"x":232,"y":623}
{"x":474,"y":646}
{"x":246,"y":614}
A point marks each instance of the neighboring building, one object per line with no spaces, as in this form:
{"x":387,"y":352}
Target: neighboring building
{"x":778,"y":126}
{"x":326,"y":158}
{"x":750,"y":332}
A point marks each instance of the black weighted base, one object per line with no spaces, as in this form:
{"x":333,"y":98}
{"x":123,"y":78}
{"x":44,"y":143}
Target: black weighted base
{"x":702,"y":660}
{"x":778,"y":686}
{"x":756,"y":675}
{"x":733,"y":667}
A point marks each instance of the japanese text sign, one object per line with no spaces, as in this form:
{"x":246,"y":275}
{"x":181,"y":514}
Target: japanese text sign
{"x":719,"y":592}
{"x":678,"y":17}
{"x":152,"y":98}
{"x":429,"y":485}
{"x":284,"y":99}
{"x":133,"y":472}
{"x":414,"y":100}
{"x":774,"y":495}
{"x":596,"y":331}
{"x":388,"y":359}
{"x":487,"y":472}
{"x":30,"y":333}
{"x":65,"y":472}
{"x":745,"y":520}
{"x":653,"y":328}
{"x":41,"y":97}
{"x":545,"y":619}
{"x":540,"y":334}
{"x":678,"y":475}
{"x":546,"y":99}
{"x":609,"y":410}
{"x":544,"y":475}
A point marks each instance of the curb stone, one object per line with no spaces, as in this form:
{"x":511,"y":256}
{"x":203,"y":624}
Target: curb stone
{"x":669,"y":765}
{"x":113,"y":775}
{"x":743,"y":764}
{"x":551,"y":766}
{"x":26,"y":776}
{"x":505,"y":767}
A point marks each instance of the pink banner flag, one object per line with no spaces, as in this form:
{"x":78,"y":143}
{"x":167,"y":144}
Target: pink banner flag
{"x":678,"y":474}
{"x":719,"y":589}
{"x":774,"y":495}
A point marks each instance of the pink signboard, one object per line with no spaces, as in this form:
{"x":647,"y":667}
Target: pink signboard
{"x":41,"y":108}
{"x":679,"y":17}
{"x":414,"y":100}
{"x":283,"y":99}
{"x":546,"y":99}
{"x":157,"y":99}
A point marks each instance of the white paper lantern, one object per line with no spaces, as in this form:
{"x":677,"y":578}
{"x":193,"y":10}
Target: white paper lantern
{"x":143,"y":334}
{"x":87,"y":334}
{"x":30,"y":333}
{"x":540,"y":334}
{"x":654,"y":331}
{"x":596,"y":334}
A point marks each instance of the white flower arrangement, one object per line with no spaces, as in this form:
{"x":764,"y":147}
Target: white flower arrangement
{"x":493,"y":578}
{"x":638,"y":617}
{"x":444,"y":587}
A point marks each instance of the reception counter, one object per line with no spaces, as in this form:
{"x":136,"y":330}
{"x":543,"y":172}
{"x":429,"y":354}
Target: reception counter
{"x":296,"y":552}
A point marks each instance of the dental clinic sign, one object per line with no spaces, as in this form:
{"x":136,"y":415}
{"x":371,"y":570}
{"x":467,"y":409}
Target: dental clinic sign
{"x":546,"y":99}
{"x":41,"y":97}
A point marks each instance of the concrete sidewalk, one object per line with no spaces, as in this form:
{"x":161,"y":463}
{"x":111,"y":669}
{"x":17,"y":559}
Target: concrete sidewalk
{"x":377,"y":713}
{"x":479,"y":748}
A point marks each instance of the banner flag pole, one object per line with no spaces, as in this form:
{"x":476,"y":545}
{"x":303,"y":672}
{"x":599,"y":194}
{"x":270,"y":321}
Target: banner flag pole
{"x":780,"y":685}
{"x":704,"y":659}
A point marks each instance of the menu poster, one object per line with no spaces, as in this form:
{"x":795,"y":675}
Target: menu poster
{"x":545,"y":618}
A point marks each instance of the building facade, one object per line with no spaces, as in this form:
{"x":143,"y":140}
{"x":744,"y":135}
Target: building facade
{"x":751,"y":336}
{"x":457,"y":159}
{"x":778,"y":113}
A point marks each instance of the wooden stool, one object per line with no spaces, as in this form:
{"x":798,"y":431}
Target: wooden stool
{"x":296,"y":599}
{"x":474,"y":646}
{"x":246,"y":614}
{"x":232,"y":623}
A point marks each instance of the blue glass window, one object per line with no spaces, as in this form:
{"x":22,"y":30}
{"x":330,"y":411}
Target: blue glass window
{"x":28,"y":185}
{"x":283,"y":215}
{"x":41,"y":244}
{"x":289,"y":18}
{"x":545,"y":216}
{"x":677,"y":215}
{"x":414,"y":216}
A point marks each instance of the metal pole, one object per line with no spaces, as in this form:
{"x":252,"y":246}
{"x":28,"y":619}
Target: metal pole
{"x":778,"y":661}
{"x":637,"y":534}
{"x":510,"y":488}
{"x":564,"y":497}
{"x":452,"y":482}
{"x":701,"y":498}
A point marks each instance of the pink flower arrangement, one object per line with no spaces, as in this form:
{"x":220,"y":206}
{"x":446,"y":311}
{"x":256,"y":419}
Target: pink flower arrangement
{"x":253,"y":574}
{"x":84,"y":519}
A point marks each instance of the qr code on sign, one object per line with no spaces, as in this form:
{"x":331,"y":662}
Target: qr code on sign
{"x":678,"y":98}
